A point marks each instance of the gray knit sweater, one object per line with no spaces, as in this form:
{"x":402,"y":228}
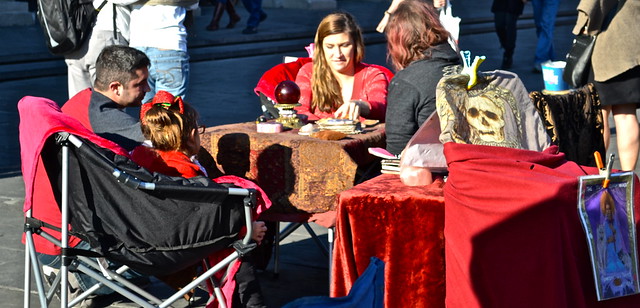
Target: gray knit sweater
{"x":412,"y":95}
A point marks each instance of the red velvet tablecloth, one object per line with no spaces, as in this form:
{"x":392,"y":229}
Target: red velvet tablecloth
{"x":401,"y":225}
{"x":512,"y":230}
{"x":299,"y":173}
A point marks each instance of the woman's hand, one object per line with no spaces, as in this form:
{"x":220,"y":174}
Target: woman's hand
{"x":353,"y":110}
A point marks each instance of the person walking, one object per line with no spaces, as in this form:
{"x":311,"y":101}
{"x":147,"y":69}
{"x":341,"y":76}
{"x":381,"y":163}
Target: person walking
{"x":256,"y":15}
{"x":218,"y":11}
{"x":158,"y":29}
{"x":108,"y":30}
{"x":615,"y":62}
{"x":505,"y":18}
{"x":544,"y":15}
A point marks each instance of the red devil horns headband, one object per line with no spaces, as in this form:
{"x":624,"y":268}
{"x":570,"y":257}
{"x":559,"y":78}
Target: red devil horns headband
{"x":164,"y":100}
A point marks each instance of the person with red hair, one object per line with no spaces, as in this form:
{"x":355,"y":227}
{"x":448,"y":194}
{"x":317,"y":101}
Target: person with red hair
{"x":418,"y":48}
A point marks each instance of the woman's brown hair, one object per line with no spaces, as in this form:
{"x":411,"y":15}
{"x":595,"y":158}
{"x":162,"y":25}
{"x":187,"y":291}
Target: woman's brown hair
{"x":168,"y":122}
{"x":413,"y":28}
{"x":327,"y":94}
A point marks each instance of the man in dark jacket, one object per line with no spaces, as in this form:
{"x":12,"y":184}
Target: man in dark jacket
{"x":121,"y":81}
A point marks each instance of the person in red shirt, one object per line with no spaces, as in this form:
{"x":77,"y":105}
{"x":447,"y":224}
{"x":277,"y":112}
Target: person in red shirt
{"x":337,"y":84}
{"x":171,"y":128}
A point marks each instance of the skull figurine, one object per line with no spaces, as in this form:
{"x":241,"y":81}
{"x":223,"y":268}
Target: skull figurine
{"x":486,"y":120}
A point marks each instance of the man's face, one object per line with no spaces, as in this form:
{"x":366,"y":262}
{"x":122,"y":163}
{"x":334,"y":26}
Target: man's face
{"x":133,"y":92}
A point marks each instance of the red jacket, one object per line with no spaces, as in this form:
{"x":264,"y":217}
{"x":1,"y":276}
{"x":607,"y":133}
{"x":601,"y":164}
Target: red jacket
{"x":370,"y":85}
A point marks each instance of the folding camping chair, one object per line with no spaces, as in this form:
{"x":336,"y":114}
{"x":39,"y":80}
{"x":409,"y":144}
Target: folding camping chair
{"x":151,"y":223}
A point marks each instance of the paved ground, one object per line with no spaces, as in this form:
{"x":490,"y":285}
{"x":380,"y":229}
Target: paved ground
{"x":221,"y":89}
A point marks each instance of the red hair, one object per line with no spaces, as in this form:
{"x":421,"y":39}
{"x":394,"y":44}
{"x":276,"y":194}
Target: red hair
{"x":413,"y":28}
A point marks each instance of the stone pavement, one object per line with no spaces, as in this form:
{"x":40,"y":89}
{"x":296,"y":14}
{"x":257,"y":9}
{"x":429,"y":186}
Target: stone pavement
{"x":222,"y":81}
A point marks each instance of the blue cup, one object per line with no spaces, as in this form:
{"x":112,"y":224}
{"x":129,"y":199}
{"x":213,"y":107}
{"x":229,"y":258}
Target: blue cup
{"x":552,"y":75}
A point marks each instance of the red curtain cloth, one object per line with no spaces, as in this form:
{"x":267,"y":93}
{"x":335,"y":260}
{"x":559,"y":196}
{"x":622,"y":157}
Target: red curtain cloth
{"x":513,"y":237}
{"x":401,"y":225}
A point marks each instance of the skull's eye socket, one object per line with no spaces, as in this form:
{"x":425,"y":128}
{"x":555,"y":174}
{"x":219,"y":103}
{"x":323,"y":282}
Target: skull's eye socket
{"x":473,"y":112}
{"x":491,"y":115}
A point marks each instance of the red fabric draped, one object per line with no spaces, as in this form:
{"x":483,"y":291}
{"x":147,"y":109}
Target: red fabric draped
{"x":39,"y":119}
{"x":272,"y":77}
{"x":513,"y":237}
{"x":401,"y":225}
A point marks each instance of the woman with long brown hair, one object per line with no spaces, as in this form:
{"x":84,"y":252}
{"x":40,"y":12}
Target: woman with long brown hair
{"x":418,"y":49}
{"x":337,"y":84}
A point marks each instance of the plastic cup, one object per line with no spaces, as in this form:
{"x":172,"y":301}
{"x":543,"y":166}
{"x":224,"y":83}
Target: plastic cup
{"x":552,"y":75}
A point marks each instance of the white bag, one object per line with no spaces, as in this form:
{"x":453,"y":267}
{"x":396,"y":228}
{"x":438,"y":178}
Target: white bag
{"x":451,"y":23}
{"x":423,"y":154}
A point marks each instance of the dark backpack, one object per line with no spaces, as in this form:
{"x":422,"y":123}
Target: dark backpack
{"x":66,"y":23}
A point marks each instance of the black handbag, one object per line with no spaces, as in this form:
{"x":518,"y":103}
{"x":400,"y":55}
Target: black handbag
{"x":576,"y":71}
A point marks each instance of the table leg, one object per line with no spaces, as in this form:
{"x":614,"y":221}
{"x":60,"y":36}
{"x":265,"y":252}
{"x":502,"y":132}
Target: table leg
{"x":330,"y":234}
{"x":279,"y":237}
{"x":290,"y":228}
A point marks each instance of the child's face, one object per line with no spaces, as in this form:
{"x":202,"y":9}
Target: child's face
{"x":193,"y":147}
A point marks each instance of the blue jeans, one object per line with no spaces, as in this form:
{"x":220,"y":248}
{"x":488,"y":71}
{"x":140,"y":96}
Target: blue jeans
{"x":254,"y":7}
{"x":169,"y":71}
{"x":544,"y":13}
{"x":84,"y":281}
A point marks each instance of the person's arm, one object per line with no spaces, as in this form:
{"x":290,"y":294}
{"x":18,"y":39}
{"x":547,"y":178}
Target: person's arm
{"x":385,"y":18}
{"x":376,"y":85}
{"x":401,"y":116}
{"x":369,"y":98}
{"x":303,"y":80}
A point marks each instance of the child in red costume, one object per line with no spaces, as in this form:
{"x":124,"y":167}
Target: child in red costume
{"x":173,"y":134}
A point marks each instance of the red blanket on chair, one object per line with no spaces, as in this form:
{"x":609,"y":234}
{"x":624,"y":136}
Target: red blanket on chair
{"x":39,"y":119}
{"x":513,"y":237}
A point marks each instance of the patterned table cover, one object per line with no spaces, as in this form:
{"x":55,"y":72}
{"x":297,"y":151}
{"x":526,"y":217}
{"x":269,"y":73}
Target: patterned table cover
{"x":299,"y":173}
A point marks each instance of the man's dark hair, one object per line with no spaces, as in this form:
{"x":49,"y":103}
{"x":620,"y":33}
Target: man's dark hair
{"x":118,"y":63}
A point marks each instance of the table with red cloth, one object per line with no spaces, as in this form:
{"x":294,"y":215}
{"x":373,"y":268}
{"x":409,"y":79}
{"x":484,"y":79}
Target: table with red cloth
{"x":302,"y":175}
{"x":401,"y":225}
{"x":513,"y":235}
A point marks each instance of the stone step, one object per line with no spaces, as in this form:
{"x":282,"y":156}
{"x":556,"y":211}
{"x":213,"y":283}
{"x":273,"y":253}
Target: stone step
{"x":301,"y":4}
{"x":15,"y":14}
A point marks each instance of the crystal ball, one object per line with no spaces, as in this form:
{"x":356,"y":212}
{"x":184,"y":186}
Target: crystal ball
{"x":287,"y":92}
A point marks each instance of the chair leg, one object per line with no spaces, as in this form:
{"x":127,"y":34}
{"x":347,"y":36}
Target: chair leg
{"x":316,"y":239}
{"x":281,"y":235}
{"x":276,"y":251}
{"x":330,"y":238}
{"x":35,"y":266}
{"x":27,"y":279}
{"x":222,"y":303}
